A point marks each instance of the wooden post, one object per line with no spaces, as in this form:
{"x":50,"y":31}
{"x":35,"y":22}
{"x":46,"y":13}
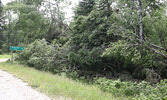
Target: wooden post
{"x":12,"y":57}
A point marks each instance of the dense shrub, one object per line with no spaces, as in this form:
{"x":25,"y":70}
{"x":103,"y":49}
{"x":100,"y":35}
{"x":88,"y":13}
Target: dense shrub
{"x":1,"y":51}
{"x":137,"y":91}
{"x":42,"y":56}
{"x":98,"y":45}
{"x":5,"y":48}
{"x":122,"y":55}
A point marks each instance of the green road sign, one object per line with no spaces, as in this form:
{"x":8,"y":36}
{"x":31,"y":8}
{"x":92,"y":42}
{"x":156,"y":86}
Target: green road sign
{"x":16,"y":48}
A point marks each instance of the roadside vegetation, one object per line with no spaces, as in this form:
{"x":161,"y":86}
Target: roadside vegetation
{"x":57,"y":85}
{"x":5,"y":56}
{"x":118,"y":45}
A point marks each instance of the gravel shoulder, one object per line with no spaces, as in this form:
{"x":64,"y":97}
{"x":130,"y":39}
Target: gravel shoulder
{"x":12,"y":88}
{"x":3,"y":60}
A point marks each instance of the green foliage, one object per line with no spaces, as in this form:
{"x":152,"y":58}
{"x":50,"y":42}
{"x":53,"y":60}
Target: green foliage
{"x":28,"y":25}
{"x":89,"y":40}
{"x":85,"y":7}
{"x":107,"y":40}
{"x":122,"y":54}
{"x":159,"y":92}
{"x":57,"y":85}
{"x":86,"y":59}
{"x":5,"y":56}
{"x":155,"y":26}
{"x":42,"y":56}
{"x":33,"y":2}
{"x":1,"y":25}
{"x":1,"y":51}
{"x":104,"y":40}
{"x":137,"y":91}
{"x":62,"y":40}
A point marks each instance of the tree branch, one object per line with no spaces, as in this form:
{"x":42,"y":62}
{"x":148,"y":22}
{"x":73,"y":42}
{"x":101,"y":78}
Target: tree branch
{"x":157,"y":52}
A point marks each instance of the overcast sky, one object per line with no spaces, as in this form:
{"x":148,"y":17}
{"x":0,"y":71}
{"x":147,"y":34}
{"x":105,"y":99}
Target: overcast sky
{"x":6,"y":1}
{"x":69,"y":11}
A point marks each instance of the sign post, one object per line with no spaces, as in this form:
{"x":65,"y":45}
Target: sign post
{"x":14,"y":48}
{"x":12,"y":58}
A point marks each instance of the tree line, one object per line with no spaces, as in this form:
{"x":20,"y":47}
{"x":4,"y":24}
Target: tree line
{"x":112,"y":38}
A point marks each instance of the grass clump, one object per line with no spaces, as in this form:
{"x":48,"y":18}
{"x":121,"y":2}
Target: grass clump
{"x":5,"y":56}
{"x":55,"y":85}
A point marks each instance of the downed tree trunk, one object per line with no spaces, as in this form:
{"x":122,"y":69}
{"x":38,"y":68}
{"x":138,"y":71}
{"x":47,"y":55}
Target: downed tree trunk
{"x":157,"y":52}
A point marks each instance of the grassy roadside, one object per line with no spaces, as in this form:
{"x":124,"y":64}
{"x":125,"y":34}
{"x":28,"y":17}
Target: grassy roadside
{"x":6,"y":56}
{"x":57,"y":85}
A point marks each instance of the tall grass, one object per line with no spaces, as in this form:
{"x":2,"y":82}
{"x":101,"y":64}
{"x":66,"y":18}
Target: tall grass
{"x":5,"y":56}
{"x":55,"y":85}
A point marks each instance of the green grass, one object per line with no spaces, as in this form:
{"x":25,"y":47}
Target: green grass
{"x":5,"y":56}
{"x":55,"y":85}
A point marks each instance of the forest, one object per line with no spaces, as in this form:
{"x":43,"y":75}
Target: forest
{"x":120,"y":45}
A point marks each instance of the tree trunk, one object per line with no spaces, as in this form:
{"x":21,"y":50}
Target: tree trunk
{"x":132,"y":5}
{"x":140,"y":21}
{"x":108,"y":8}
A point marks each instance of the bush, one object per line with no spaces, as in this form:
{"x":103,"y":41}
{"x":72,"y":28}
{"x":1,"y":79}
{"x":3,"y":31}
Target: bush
{"x":42,"y":56}
{"x":117,"y":87}
{"x":86,"y":59}
{"x":158,"y":92}
{"x":138,"y":91}
{"x":5,"y":48}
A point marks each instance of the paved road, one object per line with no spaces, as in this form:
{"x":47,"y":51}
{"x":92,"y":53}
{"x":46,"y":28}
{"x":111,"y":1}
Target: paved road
{"x":12,"y":88}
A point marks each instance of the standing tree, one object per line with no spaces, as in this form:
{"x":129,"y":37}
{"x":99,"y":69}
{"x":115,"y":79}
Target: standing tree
{"x":84,"y":7}
{"x":1,"y":27}
{"x":27,"y":25}
{"x":114,"y":36}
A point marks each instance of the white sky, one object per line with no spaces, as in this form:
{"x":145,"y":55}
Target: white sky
{"x":69,"y":11}
{"x":5,"y":1}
